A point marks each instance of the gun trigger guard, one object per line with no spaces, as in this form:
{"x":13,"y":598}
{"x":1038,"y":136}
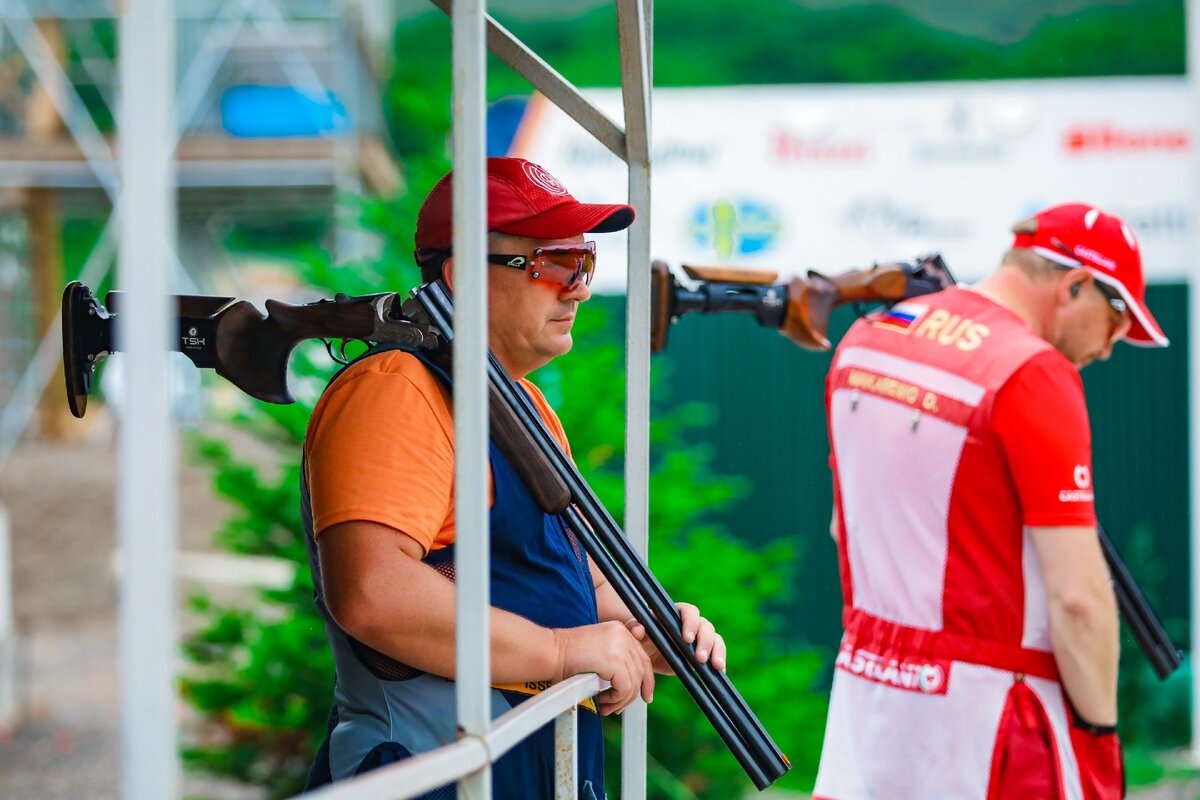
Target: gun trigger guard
{"x":329,"y":349}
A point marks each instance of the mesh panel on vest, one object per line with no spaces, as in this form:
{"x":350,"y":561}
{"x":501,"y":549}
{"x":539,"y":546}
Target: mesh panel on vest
{"x":574,"y":540}
{"x":385,"y":667}
{"x":447,"y":570}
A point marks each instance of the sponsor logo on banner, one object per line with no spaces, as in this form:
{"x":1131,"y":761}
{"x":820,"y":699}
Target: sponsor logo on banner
{"x":1157,"y":221}
{"x":665,"y":153}
{"x":1106,"y":138}
{"x":885,"y":220}
{"x":925,"y":676}
{"x":734,"y":227}
{"x":788,"y":146}
{"x":963,"y":141}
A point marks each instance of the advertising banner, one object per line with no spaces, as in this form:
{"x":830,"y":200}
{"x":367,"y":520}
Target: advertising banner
{"x":790,"y":178}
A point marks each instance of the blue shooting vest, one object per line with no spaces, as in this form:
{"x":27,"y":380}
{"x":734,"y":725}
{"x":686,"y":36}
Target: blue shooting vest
{"x":386,"y":711}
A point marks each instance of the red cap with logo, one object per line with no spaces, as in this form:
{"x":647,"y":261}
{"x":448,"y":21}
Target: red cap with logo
{"x":1079,"y":235}
{"x":523,"y":199}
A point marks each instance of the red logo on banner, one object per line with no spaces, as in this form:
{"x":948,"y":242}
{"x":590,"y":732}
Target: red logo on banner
{"x":786,"y":146}
{"x":1106,"y":138}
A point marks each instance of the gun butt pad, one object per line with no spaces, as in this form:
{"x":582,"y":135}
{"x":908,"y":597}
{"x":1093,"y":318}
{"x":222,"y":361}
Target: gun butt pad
{"x":76,"y":369}
{"x":661,"y":295}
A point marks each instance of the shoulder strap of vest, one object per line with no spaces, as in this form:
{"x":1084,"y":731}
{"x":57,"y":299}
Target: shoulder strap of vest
{"x":440,"y":373}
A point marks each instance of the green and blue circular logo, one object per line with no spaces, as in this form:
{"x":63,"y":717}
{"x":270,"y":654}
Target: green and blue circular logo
{"x":734,"y":227}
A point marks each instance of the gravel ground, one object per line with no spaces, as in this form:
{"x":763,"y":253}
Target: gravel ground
{"x":61,"y":508}
{"x":65,"y":744}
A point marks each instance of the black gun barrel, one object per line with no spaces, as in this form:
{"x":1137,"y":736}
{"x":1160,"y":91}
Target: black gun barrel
{"x":767,"y":304}
{"x":1143,"y":623}
{"x":715,"y":695}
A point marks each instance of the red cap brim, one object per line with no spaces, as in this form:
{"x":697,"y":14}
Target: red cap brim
{"x":572,"y":219}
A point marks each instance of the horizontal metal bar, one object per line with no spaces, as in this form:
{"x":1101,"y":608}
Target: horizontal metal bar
{"x":234,"y":570}
{"x":552,"y":84}
{"x":184,"y":9}
{"x":280,"y":172}
{"x":513,"y":726}
{"x":446,"y":764}
{"x":412,"y":776}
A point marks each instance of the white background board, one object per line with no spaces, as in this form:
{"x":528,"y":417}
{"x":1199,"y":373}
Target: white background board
{"x":830,"y":177}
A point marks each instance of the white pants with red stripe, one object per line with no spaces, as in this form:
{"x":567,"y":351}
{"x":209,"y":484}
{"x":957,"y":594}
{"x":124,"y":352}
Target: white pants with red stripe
{"x":886,"y":742}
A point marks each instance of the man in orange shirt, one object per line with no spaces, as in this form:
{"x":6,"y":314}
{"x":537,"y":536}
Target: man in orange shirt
{"x":378,"y":482}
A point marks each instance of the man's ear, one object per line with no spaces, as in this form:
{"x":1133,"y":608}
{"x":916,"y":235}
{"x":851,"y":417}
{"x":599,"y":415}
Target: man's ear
{"x":1071,"y":283}
{"x":448,"y":272}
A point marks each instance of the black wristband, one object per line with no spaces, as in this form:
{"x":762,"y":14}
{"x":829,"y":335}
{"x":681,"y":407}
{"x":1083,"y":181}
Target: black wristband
{"x":1091,"y":727}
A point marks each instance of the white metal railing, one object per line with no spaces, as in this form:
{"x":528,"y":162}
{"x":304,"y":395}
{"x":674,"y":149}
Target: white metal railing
{"x":474,"y":753}
{"x":473,"y":667}
{"x":146,"y":503}
{"x":634,"y":32}
{"x":9,"y":710}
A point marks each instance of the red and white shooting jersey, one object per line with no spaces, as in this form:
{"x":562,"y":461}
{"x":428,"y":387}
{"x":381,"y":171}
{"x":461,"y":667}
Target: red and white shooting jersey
{"x":953,"y":428}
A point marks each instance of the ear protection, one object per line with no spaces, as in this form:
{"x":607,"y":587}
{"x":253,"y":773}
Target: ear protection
{"x":1075,"y":289}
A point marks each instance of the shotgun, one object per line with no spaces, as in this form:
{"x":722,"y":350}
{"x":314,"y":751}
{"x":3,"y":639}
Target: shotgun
{"x":251,"y":350}
{"x":799,"y":309}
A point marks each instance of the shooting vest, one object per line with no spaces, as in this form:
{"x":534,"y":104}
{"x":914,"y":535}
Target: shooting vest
{"x":386,"y":711}
{"x":946,"y":660}
{"x":931,"y":565}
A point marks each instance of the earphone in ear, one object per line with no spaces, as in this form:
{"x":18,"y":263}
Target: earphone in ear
{"x":1075,"y":289}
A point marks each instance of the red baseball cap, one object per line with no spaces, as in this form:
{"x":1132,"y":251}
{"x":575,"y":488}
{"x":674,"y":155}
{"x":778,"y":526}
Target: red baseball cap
{"x":1079,"y":235}
{"x":523,"y":199}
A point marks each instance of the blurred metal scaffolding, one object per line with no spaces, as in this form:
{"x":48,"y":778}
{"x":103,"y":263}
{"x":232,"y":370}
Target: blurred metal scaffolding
{"x":58,"y":99}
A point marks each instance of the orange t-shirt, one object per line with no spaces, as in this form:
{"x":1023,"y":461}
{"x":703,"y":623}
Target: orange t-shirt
{"x":380,"y":448}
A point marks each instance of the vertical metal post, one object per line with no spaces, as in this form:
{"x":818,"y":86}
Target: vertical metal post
{"x":350,"y":240}
{"x":566,"y":765}
{"x":1192,"y":9}
{"x":146,"y":506}
{"x":633,"y":31}
{"x":470,"y":385}
{"x":8,"y":640}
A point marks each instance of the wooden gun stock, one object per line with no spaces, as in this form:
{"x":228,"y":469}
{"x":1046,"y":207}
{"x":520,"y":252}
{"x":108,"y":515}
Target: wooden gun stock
{"x":252,"y":352}
{"x":811,"y":300}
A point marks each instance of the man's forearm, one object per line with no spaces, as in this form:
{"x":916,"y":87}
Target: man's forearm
{"x":415,"y":624}
{"x":387,"y":598}
{"x":1083,"y":618}
{"x":1086,"y":649}
{"x":609,"y":606}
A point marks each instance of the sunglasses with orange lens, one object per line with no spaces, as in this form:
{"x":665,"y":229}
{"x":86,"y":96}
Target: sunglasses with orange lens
{"x":560,"y":264}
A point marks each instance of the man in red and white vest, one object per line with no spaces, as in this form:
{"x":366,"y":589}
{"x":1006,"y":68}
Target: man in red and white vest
{"x":980,"y":651}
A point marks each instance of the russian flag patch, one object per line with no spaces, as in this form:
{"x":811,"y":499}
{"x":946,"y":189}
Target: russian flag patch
{"x":901,"y":317}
